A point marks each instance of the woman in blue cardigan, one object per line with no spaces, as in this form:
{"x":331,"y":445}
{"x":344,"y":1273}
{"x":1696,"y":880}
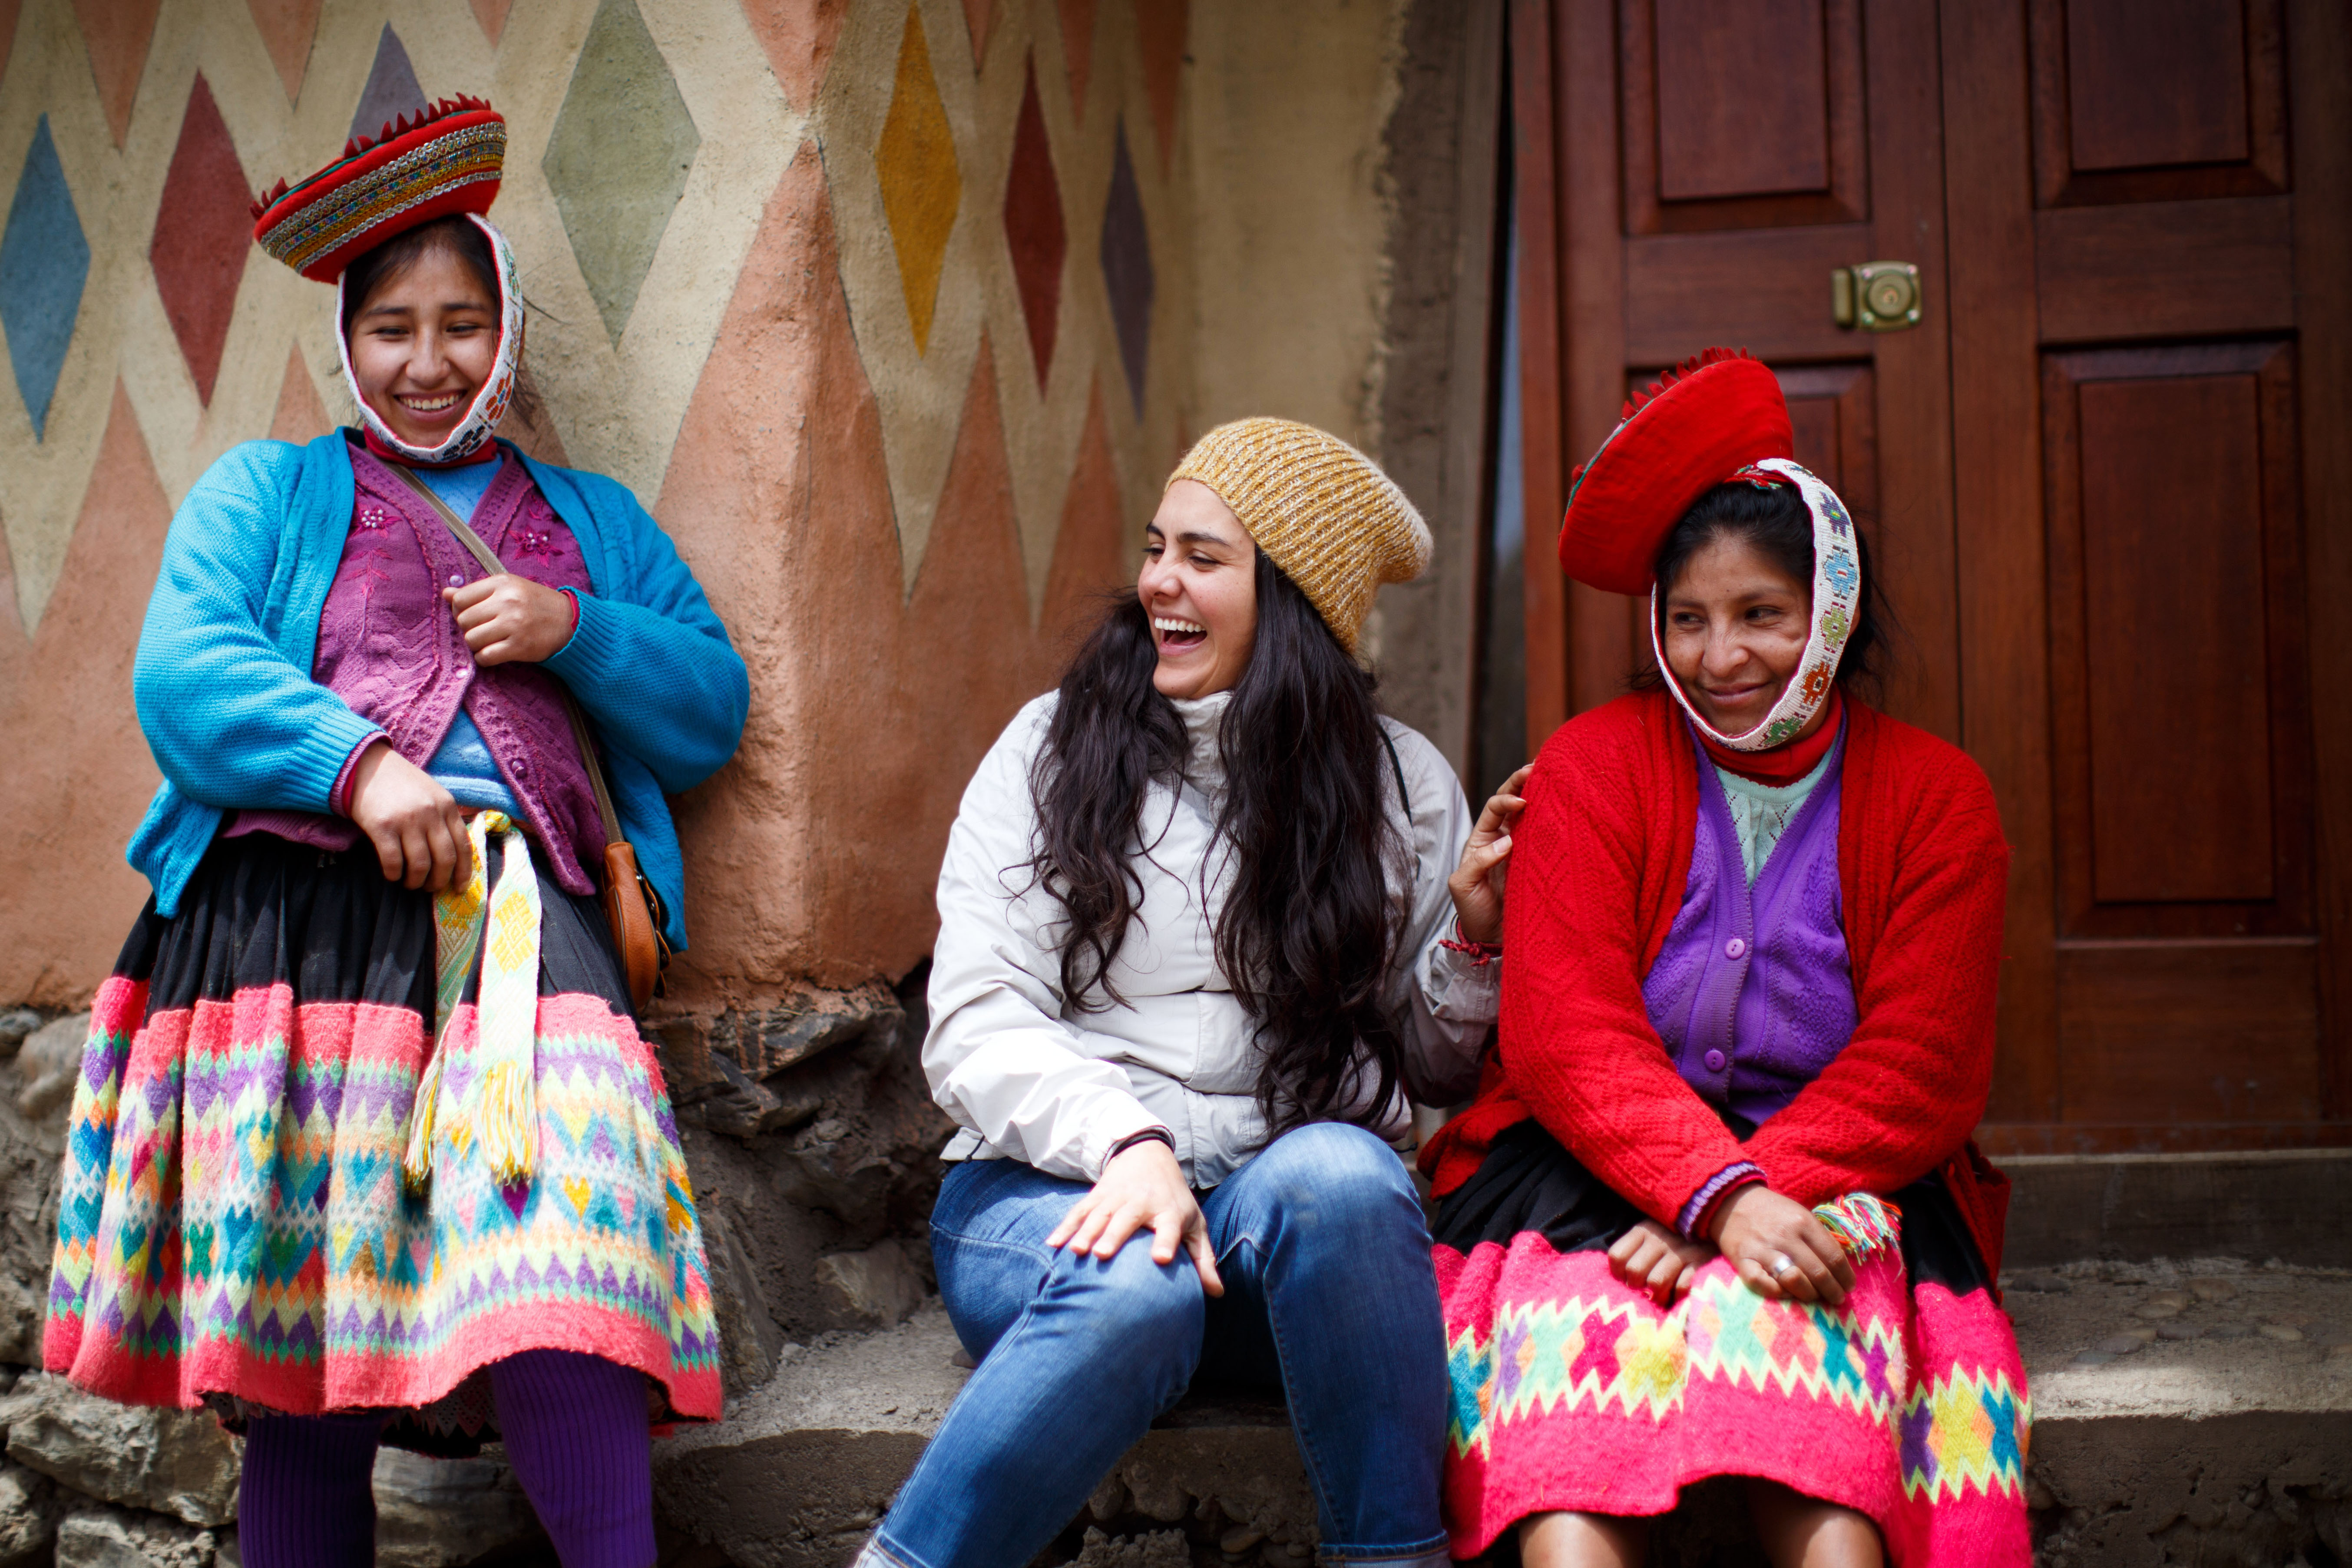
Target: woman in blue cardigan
{"x":367,"y":1145}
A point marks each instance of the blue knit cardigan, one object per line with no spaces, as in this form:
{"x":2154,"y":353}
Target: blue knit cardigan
{"x":223,"y":688}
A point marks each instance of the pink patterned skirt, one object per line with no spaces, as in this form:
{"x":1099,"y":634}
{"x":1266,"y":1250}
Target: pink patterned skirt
{"x":1571,"y":1391}
{"x":234,"y":1228}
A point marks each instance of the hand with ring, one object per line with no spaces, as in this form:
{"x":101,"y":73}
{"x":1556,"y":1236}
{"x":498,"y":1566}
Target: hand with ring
{"x":1781,"y":1248}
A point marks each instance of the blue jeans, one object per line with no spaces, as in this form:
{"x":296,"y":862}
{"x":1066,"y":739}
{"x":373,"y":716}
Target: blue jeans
{"x":1330,"y":1295}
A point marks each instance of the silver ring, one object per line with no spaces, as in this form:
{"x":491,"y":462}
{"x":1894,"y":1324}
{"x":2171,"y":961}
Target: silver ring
{"x":1783,"y":1266}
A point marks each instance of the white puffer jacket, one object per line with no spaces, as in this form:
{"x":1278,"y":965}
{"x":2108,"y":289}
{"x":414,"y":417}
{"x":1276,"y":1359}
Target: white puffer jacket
{"x":1029,"y":1077}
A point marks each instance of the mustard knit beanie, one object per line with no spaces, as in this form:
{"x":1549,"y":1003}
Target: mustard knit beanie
{"x":1321,"y":510}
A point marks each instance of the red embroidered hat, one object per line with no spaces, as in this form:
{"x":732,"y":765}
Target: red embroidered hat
{"x":447,"y":160}
{"x":1694,"y":428}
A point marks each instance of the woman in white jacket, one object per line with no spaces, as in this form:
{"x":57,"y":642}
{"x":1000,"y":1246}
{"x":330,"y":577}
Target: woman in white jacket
{"x":1199,"y":944}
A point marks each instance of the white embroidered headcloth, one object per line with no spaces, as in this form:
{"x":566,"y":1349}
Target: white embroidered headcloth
{"x":1711,"y":420}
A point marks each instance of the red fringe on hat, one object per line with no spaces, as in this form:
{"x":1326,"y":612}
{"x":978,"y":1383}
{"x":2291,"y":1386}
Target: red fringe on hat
{"x":398,"y":125}
{"x":1691,"y":429}
{"x":1640,"y":400}
{"x":441,"y":162}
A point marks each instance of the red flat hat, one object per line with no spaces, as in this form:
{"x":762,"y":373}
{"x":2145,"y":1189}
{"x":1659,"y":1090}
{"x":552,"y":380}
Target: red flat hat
{"x":1692,"y":429}
{"x":446,"y":160}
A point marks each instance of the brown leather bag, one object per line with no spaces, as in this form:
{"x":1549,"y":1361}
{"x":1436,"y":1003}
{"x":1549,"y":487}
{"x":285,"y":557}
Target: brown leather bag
{"x":632,"y":908}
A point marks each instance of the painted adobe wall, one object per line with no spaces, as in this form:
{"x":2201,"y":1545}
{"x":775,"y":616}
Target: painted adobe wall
{"x":894,"y":314}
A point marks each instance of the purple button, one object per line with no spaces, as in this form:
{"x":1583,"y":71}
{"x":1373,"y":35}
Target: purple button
{"x":456,"y":581}
{"x":1734,"y":948}
{"x":1714,"y":1058}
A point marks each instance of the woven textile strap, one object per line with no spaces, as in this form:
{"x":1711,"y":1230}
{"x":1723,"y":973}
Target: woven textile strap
{"x":494,"y":1104}
{"x":490,"y":563}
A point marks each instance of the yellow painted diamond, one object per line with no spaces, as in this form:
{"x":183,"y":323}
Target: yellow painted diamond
{"x":921,"y":187}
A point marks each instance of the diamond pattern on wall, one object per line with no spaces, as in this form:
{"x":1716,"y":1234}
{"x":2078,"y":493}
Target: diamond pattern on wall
{"x":44,"y":262}
{"x":8,"y":10}
{"x":392,"y":88}
{"x":922,"y":186}
{"x":618,"y":159}
{"x":1126,"y":268}
{"x":1159,"y":37}
{"x":977,"y":15}
{"x":492,"y":15}
{"x":201,"y":241}
{"x":117,"y":33}
{"x":1034,"y":229}
{"x":1078,"y":49}
{"x":286,"y":27}
{"x":300,"y":416}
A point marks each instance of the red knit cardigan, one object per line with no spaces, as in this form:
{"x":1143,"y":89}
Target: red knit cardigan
{"x":1599,"y":866}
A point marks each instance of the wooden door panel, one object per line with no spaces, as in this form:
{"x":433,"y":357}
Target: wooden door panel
{"x":1766,"y":291}
{"x":2137,"y":101}
{"x":2189,"y":952}
{"x":2173,"y":605}
{"x":1835,"y":410}
{"x":2190,"y":856}
{"x":2166,"y":269}
{"x":1743,"y":99}
{"x":2190,"y":1033}
{"x":2152,"y":83}
{"x":1741,"y":114}
{"x":2181,"y":716}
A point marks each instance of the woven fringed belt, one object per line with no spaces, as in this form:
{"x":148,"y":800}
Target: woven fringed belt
{"x":493,"y":1103}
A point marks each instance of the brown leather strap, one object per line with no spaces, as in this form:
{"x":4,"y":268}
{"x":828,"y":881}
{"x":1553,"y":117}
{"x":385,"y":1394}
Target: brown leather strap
{"x":489,"y":562}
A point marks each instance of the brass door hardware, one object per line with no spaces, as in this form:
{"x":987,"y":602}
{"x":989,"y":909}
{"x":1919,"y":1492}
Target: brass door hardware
{"x":1875,"y":296}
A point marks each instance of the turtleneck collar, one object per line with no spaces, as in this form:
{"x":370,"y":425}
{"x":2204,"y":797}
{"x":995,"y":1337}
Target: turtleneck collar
{"x":1784,"y":763}
{"x":1202,"y":717}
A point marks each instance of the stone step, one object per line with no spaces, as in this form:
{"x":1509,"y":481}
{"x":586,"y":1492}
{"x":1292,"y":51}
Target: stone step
{"x":2199,"y":1412}
{"x":2293,"y":1205}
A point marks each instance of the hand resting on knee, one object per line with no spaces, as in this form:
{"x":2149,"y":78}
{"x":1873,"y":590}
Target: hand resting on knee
{"x":1653,"y":1258}
{"x":1781,"y":1248}
{"x":1142,"y":1187}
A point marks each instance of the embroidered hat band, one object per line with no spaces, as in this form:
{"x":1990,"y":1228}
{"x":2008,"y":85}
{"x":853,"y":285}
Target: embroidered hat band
{"x":447,"y":160}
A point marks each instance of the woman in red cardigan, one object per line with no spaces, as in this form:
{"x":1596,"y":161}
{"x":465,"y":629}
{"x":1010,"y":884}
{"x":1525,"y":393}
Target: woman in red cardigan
{"x":1715,"y":1210}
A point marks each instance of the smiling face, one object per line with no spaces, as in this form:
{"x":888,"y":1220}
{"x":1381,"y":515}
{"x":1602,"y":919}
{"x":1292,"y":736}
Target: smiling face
{"x":1199,"y":584}
{"x":423,"y":342}
{"x":1734,"y":631}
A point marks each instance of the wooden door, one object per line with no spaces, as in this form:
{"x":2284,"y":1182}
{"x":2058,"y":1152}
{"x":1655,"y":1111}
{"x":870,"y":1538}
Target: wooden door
{"x":2088,"y":473}
{"x":2151,"y":275}
{"x":1715,"y":162}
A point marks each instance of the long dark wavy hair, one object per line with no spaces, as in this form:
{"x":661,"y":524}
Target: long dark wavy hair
{"x":1308,"y":929}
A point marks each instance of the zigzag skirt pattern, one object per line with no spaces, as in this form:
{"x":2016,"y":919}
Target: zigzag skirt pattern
{"x":1571,"y":1391}
{"x":232,"y":1227}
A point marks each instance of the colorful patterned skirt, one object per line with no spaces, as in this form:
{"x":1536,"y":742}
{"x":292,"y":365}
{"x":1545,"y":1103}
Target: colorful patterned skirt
{"x":1573,"y":1391}
{"x":235,"y":1229}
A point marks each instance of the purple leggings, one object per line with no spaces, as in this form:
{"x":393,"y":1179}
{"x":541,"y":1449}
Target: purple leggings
{"x":575,"y":1433}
